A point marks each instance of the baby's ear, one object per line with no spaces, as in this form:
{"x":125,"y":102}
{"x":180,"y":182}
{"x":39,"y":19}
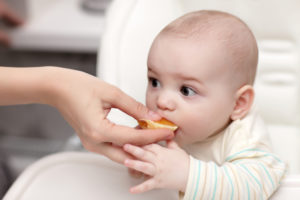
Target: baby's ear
{"x":243,"y":101}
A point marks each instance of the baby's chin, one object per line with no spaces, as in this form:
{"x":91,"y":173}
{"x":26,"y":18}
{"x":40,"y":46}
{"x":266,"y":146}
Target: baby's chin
{"x":183,"y":139}
{"x":180,"y":138}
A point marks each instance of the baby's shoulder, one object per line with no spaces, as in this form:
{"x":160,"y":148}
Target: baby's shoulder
{"x":247,"y":133}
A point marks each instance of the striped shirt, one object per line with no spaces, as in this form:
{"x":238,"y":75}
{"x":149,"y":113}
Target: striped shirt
{"x":235,"y":164}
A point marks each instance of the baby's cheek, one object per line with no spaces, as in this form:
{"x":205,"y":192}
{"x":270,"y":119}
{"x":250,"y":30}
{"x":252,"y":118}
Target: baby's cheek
{"x":188,"y":126}
{"x":195,"y":127}
{"x":192,"y":122}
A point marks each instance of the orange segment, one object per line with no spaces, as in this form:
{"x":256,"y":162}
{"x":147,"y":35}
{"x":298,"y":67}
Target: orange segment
{"x":163,"y":123}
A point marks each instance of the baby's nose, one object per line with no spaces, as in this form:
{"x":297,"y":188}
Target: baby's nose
{"x":165,"y":101}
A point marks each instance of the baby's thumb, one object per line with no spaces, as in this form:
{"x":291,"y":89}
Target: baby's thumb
{"x":171,"y":144}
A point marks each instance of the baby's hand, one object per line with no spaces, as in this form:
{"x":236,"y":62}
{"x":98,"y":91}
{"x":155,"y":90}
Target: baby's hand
{"x":135,"y":174}
{"x":167,"y":167}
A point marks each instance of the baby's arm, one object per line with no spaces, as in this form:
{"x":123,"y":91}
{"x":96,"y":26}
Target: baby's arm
{"x":166,"y":167}
{"x":249,"y":174}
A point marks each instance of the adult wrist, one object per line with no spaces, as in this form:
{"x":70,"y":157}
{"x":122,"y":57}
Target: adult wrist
{"x":51,"y":85}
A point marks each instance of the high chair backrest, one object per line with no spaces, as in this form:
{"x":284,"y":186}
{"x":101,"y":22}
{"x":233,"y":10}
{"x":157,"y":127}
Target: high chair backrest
{"x":133,"y":24}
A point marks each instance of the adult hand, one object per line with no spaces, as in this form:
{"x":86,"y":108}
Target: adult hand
{"x":85,"y":102}
{"x":8,"y":16}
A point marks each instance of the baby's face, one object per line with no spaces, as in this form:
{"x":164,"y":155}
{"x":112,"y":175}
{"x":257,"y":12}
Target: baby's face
{"x":189,"y":84}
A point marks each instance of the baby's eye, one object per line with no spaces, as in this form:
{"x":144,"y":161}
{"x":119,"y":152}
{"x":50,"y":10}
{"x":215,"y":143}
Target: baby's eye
{"x":186,"y":91}
{"x":154,"y":82}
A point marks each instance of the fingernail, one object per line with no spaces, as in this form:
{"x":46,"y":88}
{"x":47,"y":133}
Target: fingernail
{"x":153,"y":116}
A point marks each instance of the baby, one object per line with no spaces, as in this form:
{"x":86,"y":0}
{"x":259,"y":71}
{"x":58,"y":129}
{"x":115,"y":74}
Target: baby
{"x":201,"y":70}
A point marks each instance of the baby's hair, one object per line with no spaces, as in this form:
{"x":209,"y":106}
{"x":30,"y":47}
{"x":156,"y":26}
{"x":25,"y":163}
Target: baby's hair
{"x":233,"y":33}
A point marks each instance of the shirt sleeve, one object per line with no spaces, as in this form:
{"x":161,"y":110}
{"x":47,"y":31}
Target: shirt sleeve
{"x":248,"y":174}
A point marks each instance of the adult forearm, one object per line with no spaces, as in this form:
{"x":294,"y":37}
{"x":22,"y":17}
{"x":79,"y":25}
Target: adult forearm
{"x":25,"y":85}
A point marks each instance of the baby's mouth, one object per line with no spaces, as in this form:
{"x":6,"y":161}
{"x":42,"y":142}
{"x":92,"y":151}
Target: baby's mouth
{"x":177,"y":131}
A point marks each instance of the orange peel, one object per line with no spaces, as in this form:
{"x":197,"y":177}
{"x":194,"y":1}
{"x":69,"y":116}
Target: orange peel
{"x":163,"y":123}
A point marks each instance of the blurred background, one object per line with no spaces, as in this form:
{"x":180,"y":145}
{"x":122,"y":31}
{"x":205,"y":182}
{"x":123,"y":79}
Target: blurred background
{"x":63,"y":33}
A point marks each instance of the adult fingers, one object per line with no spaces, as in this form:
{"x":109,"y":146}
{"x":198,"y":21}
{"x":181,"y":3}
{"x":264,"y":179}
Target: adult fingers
{"x":143,"y":187}
{"x":130,"y":106}
{"x":4,"y":39}
{"x":144,"y":167}
{"x":121,"y":135}
{"x":10,"y":16}
{"x":112,"y":152}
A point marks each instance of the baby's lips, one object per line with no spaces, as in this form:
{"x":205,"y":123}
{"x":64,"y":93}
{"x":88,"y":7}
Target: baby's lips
{"x":163,"y":123}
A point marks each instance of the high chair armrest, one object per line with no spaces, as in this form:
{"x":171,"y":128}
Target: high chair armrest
{"x":289,"y":189}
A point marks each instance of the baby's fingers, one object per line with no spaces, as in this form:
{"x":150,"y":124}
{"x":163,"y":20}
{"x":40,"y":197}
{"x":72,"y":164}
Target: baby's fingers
{"x":146,"y":168}
{"x":139,"y":152}
{"x":143,"y":187}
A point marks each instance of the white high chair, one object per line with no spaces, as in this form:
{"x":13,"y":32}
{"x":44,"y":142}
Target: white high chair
{"x":131,"y":27}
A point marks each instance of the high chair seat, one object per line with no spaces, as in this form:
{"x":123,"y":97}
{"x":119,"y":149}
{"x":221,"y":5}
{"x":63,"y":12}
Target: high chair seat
{"x":78,"y":176}
{"x":82,"y":175}
{"x":131,"y":26}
